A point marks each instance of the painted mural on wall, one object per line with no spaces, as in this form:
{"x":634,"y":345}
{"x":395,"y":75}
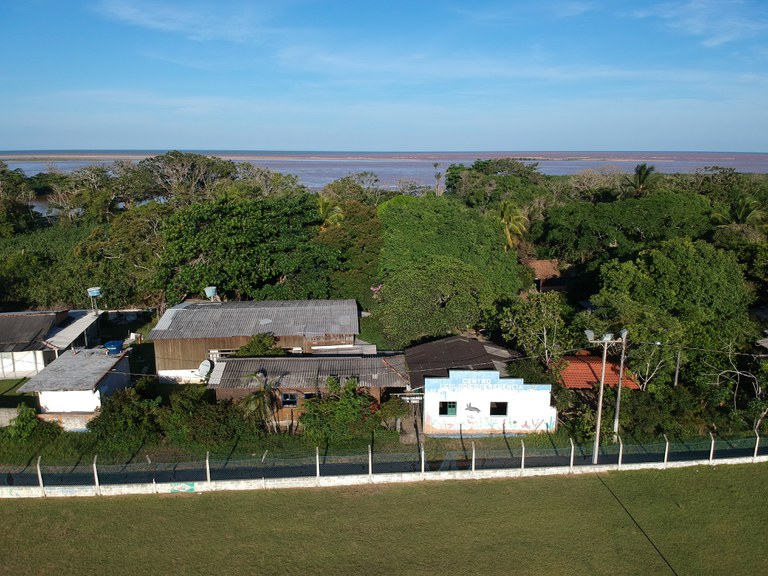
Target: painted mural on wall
{"x":482,"y":402}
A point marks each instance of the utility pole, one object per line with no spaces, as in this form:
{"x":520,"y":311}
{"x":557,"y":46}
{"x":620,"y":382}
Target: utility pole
{"x":604,"y":342}
{"x":623,"y":334}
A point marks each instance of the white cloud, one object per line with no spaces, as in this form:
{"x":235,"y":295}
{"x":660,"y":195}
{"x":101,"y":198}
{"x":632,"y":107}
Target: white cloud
{"x":234,"y":22}
{"x":716,"y":22}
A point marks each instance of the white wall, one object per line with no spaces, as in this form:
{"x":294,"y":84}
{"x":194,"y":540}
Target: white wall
{"x":69,"y":401}
{"x":528,"y":405}
{"x":23,"y":364}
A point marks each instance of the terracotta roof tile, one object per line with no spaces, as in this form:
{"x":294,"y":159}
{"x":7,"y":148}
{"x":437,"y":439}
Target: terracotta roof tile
{"x":583,"y":372}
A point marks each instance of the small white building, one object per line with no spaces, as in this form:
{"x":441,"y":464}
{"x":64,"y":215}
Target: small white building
{"x":481,"y":402}
{"x":31,"y":340}
{"x":72,"y":387}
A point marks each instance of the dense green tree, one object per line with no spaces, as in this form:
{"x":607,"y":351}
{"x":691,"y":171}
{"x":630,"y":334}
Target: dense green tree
{"x":688,"y":296}
{"x":487,"y":182}
{"x":357,"y":239}
{"x":249,"y":249}
{"x":341,"y":414}
{"x":416,"y":230}
{"x":536,"y":322}
{"x":434,"y":297}
{"x":15,"y":194}
{"x":260,"y":345}
{"x":123,"y":257}
{"x":183,"y":178}
{"x":361,"y":187}
{"x":579,"y":232}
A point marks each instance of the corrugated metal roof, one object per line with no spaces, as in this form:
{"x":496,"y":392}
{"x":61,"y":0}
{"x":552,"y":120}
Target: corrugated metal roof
{"x":455,"y":352}
{"x":62,"y":338}
{"x":25,"y":330}
{"x":73,"y":370}
{"x":308,"y":372}
{"x":280,"y":317}
{"x":33,"y":330}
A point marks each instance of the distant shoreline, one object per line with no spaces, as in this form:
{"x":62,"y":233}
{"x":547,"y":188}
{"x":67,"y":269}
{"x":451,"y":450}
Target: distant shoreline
{"x":555,"y":156}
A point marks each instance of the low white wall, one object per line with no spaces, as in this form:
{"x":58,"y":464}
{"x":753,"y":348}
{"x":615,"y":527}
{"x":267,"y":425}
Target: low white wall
{"x":354,"y":480}
{"x":23,"y":364}
{"x":69,"y":401}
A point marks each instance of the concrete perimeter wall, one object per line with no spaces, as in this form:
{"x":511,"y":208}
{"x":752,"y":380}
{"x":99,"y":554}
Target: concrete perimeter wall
{"x":6,"y":415}
{"x":353,"y":480}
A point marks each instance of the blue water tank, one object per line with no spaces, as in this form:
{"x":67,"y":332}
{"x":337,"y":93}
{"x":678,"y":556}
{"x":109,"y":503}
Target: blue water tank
{"x":114,"y":347}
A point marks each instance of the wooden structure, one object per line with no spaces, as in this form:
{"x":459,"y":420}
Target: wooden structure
{"x":295,"y":378}
{"x":187,"y":333}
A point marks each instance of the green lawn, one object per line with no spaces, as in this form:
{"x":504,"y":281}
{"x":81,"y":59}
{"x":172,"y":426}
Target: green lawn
{"x":707,"y":520}
{"x":10,"y":398}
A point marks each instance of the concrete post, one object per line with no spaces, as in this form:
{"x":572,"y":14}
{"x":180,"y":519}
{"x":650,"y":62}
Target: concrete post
{"x":522,"y":460}
{"x":473,"y":457}
{"x":666,"y":450}
{"x":573,"y":449}
{"x":757,"y":443}
{"x":208,"y":467}
{"x":40,"y":477}
{"x":621,"y":450}
{"x":596,"y":447}
{"x":317,"y":462}
{"x":370,"y":461}
{"x":423,"y":461}
{"x":712,"y":448}
{"x":96,"y":476}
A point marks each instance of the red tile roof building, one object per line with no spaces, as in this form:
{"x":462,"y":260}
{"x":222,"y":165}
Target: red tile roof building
{"x":583,"y":372}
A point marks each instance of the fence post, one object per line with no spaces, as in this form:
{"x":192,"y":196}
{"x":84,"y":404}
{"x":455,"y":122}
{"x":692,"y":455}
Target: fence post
{"x":666,"y":450}
{"x":712,"y":448}
{"x":208,"y":466}
{"x":317,"y":463}
{"x":40,"y":477}
{"x":757,"y":443}
{"x":473,"y":457}
{"x":422,"y":460}
{"x":370,"y":461}
{"x":573,"y":449}
{"x":621,"y":450}
{"x":522,"y":460}
{"x":96,"y":476}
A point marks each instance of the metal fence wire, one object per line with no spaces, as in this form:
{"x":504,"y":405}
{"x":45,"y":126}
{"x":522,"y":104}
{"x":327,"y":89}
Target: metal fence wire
{"x":416,"y":459}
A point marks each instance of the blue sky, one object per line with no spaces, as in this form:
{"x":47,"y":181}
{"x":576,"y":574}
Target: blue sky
{"x":676,"y":75}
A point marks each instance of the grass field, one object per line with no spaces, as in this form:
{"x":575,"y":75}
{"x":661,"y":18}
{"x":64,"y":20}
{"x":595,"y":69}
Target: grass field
{"x":707,"y":520}
{"x":9,"y":396}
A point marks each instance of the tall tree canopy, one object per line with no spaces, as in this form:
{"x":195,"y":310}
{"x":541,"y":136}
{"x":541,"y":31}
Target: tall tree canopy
{"x":417,"y":230}
{"x":249,"y":249}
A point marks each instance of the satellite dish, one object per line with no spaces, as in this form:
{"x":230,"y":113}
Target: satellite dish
{"x":205,"y":368}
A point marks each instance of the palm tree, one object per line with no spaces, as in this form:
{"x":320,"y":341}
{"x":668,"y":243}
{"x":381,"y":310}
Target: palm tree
{"x":330,"y":211}
{"x":744,"y":210}
{"x":438,"y":177}
{"x":643,"y":180}
{"x":514,"y":222}
{"x":261,"y":407}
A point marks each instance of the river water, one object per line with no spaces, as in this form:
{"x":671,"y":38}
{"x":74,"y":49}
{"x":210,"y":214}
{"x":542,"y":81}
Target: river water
{"x":316,"y":169}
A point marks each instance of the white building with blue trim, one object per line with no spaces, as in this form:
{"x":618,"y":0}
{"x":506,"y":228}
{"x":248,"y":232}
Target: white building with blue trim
{"x":482,"y":402}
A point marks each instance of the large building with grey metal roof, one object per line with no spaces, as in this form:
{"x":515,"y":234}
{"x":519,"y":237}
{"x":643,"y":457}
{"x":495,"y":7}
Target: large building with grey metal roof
{"x":187,"y":333}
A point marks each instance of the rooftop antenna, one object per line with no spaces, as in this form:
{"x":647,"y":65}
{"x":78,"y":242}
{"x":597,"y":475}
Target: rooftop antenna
{"x":94,"y":293}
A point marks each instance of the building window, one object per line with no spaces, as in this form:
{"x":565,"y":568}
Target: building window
{"x":498,"y":408}
{"x":447,"y":409}
{"x":289,"y":399}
